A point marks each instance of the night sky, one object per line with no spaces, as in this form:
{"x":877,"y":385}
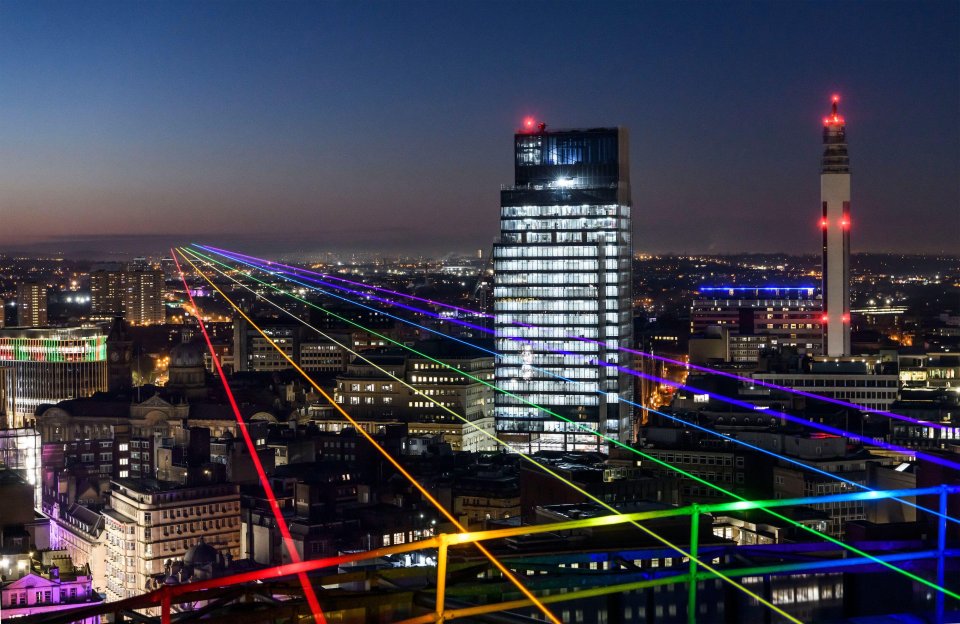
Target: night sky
{"x":388,"y":126}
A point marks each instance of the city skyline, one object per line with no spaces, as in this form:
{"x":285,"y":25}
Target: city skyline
{"x":227,"y":120}
{"x":419,"y":311}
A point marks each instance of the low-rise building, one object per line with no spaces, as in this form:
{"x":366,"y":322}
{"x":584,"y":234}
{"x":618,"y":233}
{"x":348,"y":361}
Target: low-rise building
{"x":50,"y":584}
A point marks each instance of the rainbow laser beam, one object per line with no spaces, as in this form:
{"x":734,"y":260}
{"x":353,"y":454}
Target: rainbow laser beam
{"x":720,"y":397}
{"x":423,"y":491}
{"x":646,"y":354}
{"x":602,"y":392}
{"x":526,"y":457}
{"x":650,"y":458}
{"x":308,"y":592}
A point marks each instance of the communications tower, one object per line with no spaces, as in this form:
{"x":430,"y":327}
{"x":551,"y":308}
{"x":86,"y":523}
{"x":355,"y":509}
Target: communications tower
{"x":835,"y":224}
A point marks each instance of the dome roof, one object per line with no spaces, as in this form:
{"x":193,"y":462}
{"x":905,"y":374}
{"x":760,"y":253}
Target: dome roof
{"x":187,"y":355}
{"x":201,"y":554}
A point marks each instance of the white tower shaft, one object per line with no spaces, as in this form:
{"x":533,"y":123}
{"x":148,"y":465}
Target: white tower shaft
{"x":835,"y":223}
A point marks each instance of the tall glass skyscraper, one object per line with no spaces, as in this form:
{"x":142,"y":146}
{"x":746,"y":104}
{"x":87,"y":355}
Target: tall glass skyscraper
{"x":563,"y":268}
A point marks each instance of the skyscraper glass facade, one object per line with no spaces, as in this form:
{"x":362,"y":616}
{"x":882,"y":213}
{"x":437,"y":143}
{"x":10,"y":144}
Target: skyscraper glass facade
{"x":562,"y":292}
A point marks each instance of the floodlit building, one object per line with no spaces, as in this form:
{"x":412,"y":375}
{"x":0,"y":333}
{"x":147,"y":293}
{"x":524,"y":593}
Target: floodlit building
{"x":49,"y":365}
{"x":150,"y":522}
{"x":46,"y":589}
{"x":563,"y":271}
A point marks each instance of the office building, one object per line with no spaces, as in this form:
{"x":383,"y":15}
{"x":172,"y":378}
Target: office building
{"x":835,"y":224}
{"x":782,"y":316}
{"x":253,"y":352}
{"x":31,"y":305}
{"x":49,"y":365}
{"x":374,"y":397}
{"x":563,"y":266}
{"x":149,"y":522}
{"x":865,"y":382}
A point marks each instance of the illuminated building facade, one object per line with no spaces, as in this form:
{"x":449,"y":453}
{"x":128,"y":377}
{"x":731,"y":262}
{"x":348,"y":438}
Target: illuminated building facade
{"x":143,"y":297}
{"x":150,"y":522}
{"x":106,"y":294}
{"x":137,"y":294}
{"x":835,"y":224}
{"x":49,"y":365}
{"x":253,"y":352}
{"x":20,"y":450}
{"x":39,"y":593}
{"x":787,"y":316}
{"x":563,"y":267}
{"x":31,"y":305}
{"x":79,"y":531}
{"x":375,"y":397}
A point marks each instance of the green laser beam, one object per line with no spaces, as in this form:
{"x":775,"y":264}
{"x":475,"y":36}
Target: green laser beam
{"x":620,"y":444}
{"x":528,"y":458}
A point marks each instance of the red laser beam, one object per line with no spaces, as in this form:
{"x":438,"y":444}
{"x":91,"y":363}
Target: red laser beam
{"x":268,"y":490}
{"x":386,"y":454}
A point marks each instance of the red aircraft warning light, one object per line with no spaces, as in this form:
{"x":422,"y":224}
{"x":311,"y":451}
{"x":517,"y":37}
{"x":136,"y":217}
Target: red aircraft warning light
{"x":834,"y":118}
{"x":531,"y":125}
{"x":823,"y":319}
{"x":823,"y":223}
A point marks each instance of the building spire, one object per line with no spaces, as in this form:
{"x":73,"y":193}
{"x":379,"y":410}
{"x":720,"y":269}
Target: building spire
{"x":834,"y":119}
